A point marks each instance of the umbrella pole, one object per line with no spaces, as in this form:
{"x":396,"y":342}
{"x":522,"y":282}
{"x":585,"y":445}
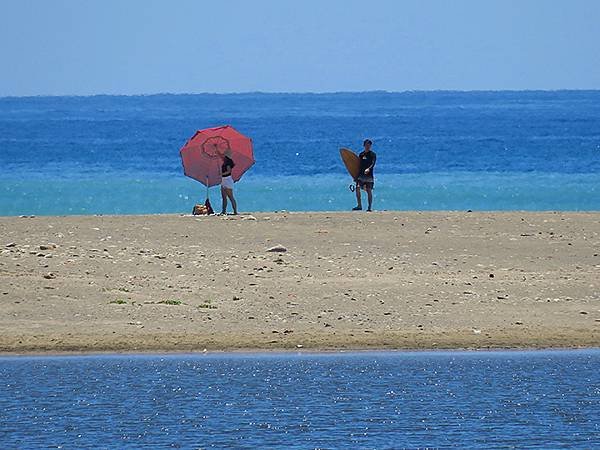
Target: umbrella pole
{"x":207,"y":188}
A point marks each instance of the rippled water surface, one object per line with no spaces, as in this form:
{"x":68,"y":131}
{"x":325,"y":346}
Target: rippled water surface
{"x":342,"y":400}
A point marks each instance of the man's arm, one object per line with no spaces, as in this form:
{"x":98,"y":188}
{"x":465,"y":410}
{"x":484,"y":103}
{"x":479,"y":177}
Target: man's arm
{"x":368,"y":169}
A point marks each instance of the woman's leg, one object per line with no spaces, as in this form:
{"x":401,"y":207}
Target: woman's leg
{"x":232,"y":198}
{"x":224,"y":198}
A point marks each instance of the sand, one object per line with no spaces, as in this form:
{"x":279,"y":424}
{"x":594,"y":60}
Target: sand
{"x":381,"y":280}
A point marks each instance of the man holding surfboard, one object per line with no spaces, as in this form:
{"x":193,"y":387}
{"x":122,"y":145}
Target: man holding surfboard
{"x":365,"y":178}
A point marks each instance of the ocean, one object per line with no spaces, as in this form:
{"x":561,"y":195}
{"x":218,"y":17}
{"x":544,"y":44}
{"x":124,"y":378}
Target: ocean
{"x":436,"y":151}
{"x":383,"y":400}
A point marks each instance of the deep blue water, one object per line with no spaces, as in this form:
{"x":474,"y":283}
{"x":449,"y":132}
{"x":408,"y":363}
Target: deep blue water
{"x":436,"y":150}
{"x":541,"y":399}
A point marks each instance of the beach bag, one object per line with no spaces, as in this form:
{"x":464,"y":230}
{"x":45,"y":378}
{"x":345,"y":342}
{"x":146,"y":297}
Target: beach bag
{"x":203,"y":210}
{"x":199,"y":210}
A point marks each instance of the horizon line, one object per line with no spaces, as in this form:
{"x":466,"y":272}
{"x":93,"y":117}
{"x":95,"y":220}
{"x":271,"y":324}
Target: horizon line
{"x":316,"y":93}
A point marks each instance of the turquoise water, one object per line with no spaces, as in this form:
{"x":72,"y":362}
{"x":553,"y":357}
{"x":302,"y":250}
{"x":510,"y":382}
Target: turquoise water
{"x":436,"y":150}
{"x":435,"y":191}
{"x":541,"y":399}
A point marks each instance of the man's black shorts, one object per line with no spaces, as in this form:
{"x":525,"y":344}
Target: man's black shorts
{"x":366,"y":184}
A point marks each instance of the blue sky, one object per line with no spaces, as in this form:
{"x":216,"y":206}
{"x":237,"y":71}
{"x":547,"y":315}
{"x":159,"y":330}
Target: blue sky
{"x":81,"y":47}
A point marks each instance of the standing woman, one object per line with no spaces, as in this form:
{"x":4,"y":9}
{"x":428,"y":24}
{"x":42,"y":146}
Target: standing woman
{"x":227,"y":182}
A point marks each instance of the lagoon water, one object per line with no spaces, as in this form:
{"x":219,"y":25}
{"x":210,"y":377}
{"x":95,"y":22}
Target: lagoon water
{"x":436,"y":150}
{"x":541,"y":399}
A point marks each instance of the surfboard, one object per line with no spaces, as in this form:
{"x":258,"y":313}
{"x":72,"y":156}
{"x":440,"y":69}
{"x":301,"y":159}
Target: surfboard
{"x":351,"y":162}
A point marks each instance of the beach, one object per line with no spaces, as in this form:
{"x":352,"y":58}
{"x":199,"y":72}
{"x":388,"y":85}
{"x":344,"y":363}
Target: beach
{"x":300,"y":281}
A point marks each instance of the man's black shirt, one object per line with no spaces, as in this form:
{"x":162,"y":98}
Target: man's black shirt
{"x":367,"y":160}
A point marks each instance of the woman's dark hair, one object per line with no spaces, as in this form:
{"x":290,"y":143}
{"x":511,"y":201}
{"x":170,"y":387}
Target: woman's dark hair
{"x":368,"y":141}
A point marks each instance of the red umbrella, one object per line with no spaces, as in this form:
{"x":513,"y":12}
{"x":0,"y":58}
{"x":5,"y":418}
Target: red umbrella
{"x":202,"y":155}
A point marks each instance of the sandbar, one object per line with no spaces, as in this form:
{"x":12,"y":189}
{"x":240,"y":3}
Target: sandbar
{"x":340,"y":281}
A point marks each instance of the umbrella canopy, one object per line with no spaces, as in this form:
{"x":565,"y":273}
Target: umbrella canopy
{"x":202,"y":155}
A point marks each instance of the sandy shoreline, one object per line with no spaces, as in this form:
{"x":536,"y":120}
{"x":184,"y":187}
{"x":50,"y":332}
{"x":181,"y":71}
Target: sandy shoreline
{"x":384,"y":280}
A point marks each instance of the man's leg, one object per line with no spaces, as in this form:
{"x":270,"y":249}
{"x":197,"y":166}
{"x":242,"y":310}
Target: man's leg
{"x":358,"y":198}
{"x":369,"y":190}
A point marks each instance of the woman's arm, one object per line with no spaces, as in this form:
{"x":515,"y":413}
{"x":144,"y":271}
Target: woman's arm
{"x":228,"y":168}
